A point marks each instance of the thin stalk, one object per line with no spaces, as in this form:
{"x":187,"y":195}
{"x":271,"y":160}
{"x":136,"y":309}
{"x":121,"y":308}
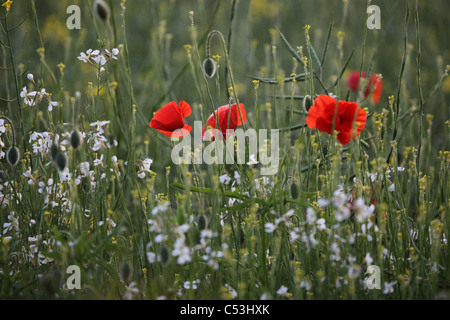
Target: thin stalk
{"x":419,"y":87}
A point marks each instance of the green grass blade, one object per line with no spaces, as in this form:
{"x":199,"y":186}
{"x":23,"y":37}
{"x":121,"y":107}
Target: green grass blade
{"x":343,"y":70}
{"x":327,"y":41}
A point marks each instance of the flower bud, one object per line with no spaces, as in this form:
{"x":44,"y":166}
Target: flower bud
{"x":209,"y":67}
{"x":307,"y":102}
{"x":13,"y":156}
{"x":164,"y":255}
{"x":75,"y":140}
{"x":294,"y":191}
{"x":125,"y":272}
{"x":202,"y":222}
{"x":102,"y":10}
{"x":60,"y":161}
{"x":54,"y":149}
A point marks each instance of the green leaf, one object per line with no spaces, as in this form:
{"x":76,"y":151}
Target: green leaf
{"x":343,"y":70}
{"x":290,"y":97}
{"x":327,"y":41}
{"x":300,"y":77}
{"x":238,"y":207}
{"x":296,"y":127}
{"x":294,"y":53}
{"x":316,"y":60}
{"x":288,"y":45}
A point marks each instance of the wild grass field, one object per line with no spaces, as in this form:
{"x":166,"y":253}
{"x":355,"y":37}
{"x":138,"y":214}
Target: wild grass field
{"x":93,"y":205}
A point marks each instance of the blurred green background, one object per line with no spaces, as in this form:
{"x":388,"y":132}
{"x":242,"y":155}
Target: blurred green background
{"x":158,"y":30}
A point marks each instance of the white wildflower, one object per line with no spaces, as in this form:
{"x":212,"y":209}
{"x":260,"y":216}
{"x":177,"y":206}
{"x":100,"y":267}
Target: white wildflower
{"x":269,"y":227}
{"x":252,"y":160}
{"x":389,"y":287}
{"x":310,"y":216}
{"x":321,"y":224}
{"x":282,"y":291}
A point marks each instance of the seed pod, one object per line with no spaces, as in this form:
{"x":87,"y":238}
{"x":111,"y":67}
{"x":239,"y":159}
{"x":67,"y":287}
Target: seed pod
{"x":60,"y":161}
{"x":102,"y":10}
{"x":307,"y":102}
{"x":164,"y":255}
{"x":294,"y":191}
{"x":125,"y":272}
{"x":75,"y":140}
{"x":209,"y":67}
{"x":202,"y":222}
{"x":54,"y":149}
{"x":12,"y":156}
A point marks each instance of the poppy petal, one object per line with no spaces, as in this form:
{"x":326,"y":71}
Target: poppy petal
{"x":178,"y":133}
{"x":227,"y":120}
{"x":243,"y":113}
{"x":344,"y":137}
{"x":323,"y":125}
{"x":181,"y":133}
{"x":377,"y":92}
{"x":185,"y":109}
{"x":353,"y":80}
{"x":168,"y":118}
{"x":345,"y":114}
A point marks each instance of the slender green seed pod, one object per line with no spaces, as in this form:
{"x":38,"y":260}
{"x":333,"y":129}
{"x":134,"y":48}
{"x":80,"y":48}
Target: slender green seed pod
{"x":294,"y":190}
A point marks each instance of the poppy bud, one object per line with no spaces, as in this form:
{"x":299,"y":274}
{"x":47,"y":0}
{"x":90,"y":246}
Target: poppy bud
{"x":54,"y":149}
{"x":102,"y":10}
{"x":75,"y":140}
{"x":125,"y":272}
{"x":60,"y":161}
{"x":294,"y":191}
{"x":307,"y":103}
{"x":12,"y":156}
{"x":209,"y":67}
{"x":202,"y":222}
{"x":164,"y":255}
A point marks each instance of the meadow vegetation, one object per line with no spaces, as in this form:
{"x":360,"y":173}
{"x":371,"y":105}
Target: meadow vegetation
{"x":84,"y":180}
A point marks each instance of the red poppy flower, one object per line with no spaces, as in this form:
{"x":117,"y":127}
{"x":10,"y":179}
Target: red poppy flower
{"x":223,"y":113}
{"x":375,"y":85}
{"x":345,"y":113}
{"x":169,"y":120}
